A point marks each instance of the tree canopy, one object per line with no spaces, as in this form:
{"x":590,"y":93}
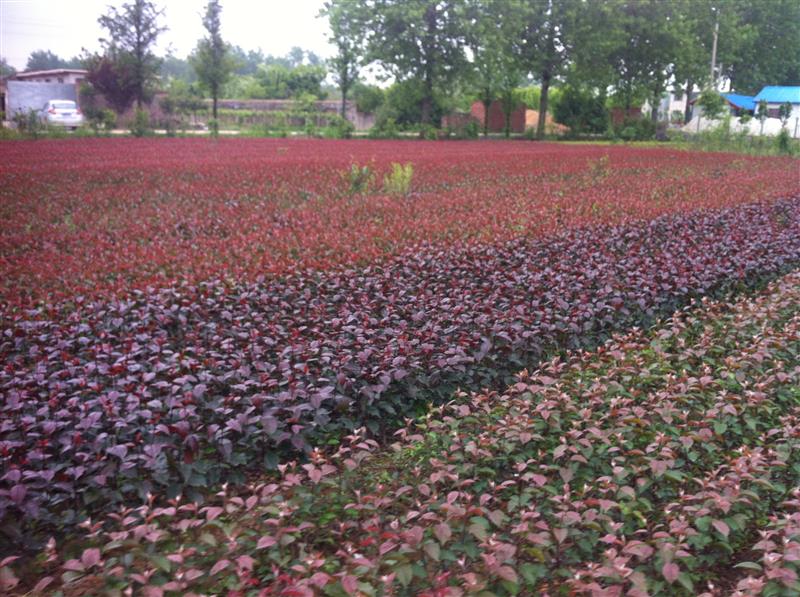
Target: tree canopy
{"x":441,"y":53}
{"x":211,"y":60}
{"x":47,"y":60}
{"x":132,"y":31}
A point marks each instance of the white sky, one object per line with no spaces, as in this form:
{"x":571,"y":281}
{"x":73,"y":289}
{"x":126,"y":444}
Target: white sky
{"x":66,"y":26}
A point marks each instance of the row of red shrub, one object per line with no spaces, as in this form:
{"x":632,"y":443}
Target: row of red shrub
{"x":102,"y":216}
{"x":176,"y":390}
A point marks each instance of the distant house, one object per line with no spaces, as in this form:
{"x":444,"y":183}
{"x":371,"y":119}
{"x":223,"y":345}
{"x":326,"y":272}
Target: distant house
{"x":30,"y":90}
{"x":775,"y":96}
{"x":739,"y":104}
{"x":671,"y":103}
{"x":70,"y":76}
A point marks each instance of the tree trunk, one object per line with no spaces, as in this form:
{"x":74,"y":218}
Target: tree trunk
{"x":426,"y":106}
{"x":687,"y":111}
{"x":540,"y":125}
{"x":486,"y":105}
{"x":214,"y":101}
{"x":344,"y":101}
{"x":654,"y":108}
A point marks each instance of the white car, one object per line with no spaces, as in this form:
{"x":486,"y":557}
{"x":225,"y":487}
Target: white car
{"x":64,"y":113}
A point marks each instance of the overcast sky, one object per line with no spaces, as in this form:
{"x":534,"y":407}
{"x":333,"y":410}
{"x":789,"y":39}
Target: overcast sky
{"x":67,"y":26}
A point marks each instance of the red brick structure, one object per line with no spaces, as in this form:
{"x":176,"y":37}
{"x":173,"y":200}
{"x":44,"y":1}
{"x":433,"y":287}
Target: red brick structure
{"x":497,"y":121}
{"x":619,"y":115}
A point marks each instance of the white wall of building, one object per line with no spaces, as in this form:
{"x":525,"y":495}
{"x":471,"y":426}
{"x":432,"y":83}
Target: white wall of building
{"x":772,"y":126}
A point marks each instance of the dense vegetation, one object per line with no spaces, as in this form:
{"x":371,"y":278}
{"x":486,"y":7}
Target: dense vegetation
{"x":573,"y":58}
{"x":665,"y":462}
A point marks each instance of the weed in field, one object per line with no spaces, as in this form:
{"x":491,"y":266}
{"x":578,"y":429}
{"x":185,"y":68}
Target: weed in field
{"x":359,"y":180}
{"x":398,"y":181}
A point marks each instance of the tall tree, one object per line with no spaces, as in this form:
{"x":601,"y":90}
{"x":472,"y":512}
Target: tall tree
{"x":175,"y":68}
{"x":642,"y":53}
{"x":548,"y":43}
{"x":132,"y":34}
{"x":296,"y":56}
{"x":114,"y":79}
{"x":695,"y":24}
{"x":346,"y":36}
{"x":247,"y":62}
{"x":211,"y":60}
{"x":421,"y":40}
{"x":496,"y":69}
{"x":769,"y":51}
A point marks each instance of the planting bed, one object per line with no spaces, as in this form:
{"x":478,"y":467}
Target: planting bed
{"x":665,"y":462}
{"x":92,"y":216}
{"x":181,"y":313}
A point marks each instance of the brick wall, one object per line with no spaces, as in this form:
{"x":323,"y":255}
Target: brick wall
{"x":497,"y":122}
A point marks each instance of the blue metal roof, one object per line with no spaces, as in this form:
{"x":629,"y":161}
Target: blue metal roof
{"x":774,"y":94}
{"x":743,"y":102}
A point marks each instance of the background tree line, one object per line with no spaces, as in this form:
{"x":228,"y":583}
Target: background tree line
{"x":596,"y":51}
{"x":437,"y":55}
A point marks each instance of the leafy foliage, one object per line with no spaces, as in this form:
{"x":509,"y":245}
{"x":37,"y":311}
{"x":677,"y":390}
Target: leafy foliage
{"x":111,"y":215}
{"x":133,"y":30}
{"x":46,"y":60}
{"x":664,"y":462}
{"x":398,"y":181}
{"x":211,"y":59}
{"x":712,"y":103}
{"x":169,"y":391}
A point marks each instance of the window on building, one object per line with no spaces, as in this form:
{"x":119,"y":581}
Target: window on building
{"x":61,"y":79}
{"x":773,"y":112}
{"x":47,"y":80}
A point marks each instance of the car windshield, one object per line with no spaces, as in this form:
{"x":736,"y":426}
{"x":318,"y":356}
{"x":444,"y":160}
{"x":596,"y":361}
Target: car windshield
{"x":63,"y":105}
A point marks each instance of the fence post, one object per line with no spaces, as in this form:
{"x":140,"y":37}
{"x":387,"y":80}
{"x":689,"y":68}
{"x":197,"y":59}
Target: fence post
{"x":796,"y":122}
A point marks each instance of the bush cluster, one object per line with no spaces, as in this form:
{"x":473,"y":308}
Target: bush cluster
{"x":665,"y":462}
{"x":174,"y":390}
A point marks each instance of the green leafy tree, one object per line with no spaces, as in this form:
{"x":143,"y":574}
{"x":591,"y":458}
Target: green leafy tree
{"x":420,"y":40}
{"x":643,"y":59}
{"x":581,"y":110}
{"x":548,"y":43}
{"x":132,"y":33}
{"x":346,"y":36}
{"x":712,"y":103}
{"x":306,"y":79}
{"x":274,"y":79}
{"x":768,"y":51}
{"x":283,"y":82}
{"x":496,"y":70}
{"x":47,"y":60}
{"x":784,"y":112}
{"x":296,"y":57}
{"x":368,"y":98}
{"x":6,"y":70}
{"x":696,"y":21}
{"x":247,"y":62}
{"x":762,"y":113}
{"x":211,"y":59}
{"x":175,"y":68}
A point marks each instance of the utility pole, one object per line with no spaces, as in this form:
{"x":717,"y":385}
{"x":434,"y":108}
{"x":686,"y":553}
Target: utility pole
{"x":714,"y":54}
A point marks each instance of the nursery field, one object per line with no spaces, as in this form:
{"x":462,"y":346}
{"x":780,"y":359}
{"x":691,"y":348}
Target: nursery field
{"x":208,"y":346}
